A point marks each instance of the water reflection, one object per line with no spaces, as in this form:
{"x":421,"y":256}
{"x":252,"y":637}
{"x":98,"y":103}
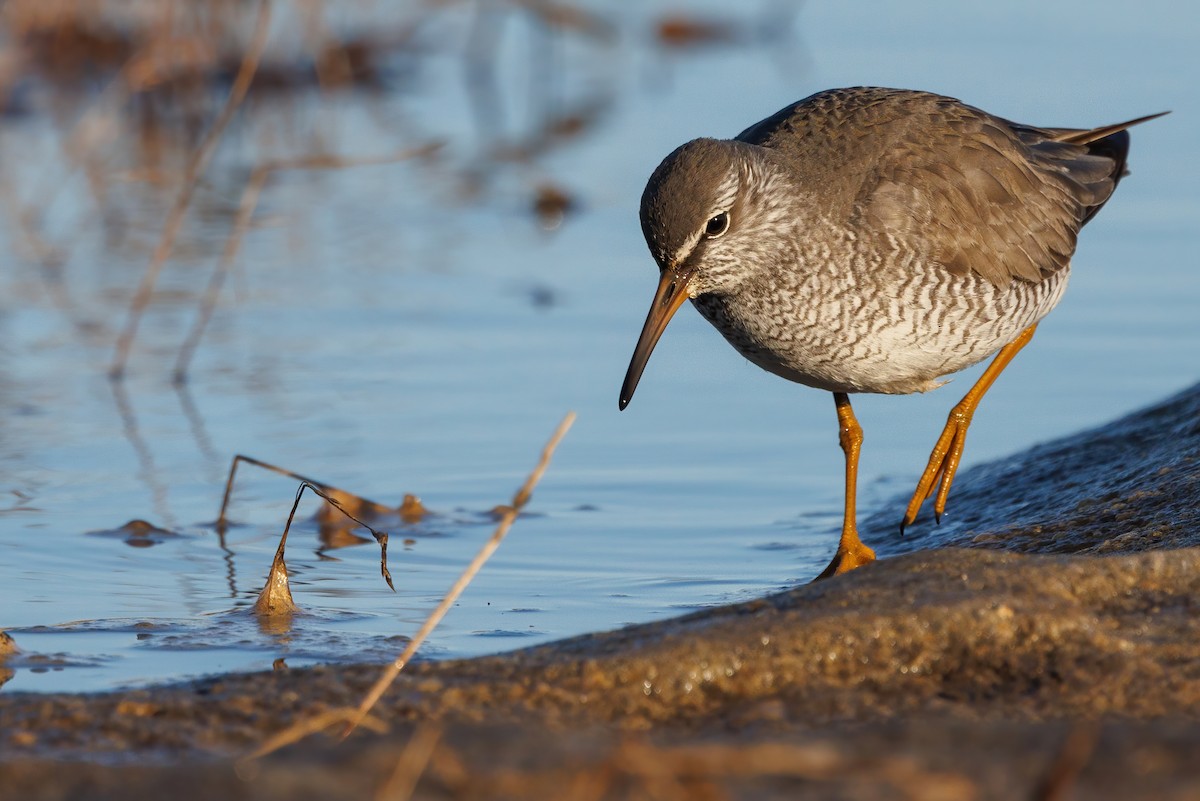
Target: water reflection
{"x":147,"y":469}
{"x":204,"y":445}
{"x":137,"y":534}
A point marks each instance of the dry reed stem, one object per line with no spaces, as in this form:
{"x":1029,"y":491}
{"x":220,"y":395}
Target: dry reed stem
{"x":381,"y":537}
{"x":276,"y":596}
{"x":222,"y":521}
{"x":275,"y":599}
{"x":196,"y":166}
{"x":333,"y":496}
{"x":400,"y":785}
{"x":246,"y":207}
{"x":306,"y":728}
{"x":519,"y":500}
{"x":1072,"y":757}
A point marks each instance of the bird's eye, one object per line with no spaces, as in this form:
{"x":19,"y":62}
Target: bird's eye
{"x":717,"y":225}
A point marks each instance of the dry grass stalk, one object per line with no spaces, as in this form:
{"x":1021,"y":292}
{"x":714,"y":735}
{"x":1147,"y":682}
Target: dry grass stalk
{"x":380,"y":536}
{"x":306,"y":728}
{"x":1063,"y":772}
{"x":411,"y":764}
{"x":325,"y":491}
{"x":275,"y":599}
{"x":518,"y":502}
{"x":195,"y":168}
{"x":246,"y":207}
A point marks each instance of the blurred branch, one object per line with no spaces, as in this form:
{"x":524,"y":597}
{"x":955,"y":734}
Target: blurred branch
{"x":249,"y":201}
{"x":196,"y":166}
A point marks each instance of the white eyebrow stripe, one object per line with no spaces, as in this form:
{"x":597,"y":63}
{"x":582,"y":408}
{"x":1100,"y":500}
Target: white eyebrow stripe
{"x":686,"y":248}
{"x":727,"y":192}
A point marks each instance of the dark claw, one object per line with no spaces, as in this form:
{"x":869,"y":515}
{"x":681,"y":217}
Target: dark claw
{"x":902,"y":525}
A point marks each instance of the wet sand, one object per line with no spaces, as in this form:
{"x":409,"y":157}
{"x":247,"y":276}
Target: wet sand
{"x":1056,"y":649}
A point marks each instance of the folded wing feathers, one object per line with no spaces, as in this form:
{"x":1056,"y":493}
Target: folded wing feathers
{"x":1027,"y":192}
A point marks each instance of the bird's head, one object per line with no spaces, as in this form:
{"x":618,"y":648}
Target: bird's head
{"x":710,"y":214}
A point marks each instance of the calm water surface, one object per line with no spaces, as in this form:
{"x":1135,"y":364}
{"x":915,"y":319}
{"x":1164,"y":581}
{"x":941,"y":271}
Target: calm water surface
{"x":388,"y":333}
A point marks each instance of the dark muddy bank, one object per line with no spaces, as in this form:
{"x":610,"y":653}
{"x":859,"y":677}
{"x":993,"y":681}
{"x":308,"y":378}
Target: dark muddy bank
{"x":1131,"y":485}
{"x":1072,"y":652}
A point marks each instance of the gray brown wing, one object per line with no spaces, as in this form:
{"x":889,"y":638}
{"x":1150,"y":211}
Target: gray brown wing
{"x":976,"y":192}
{"x":1004,"y":201}
{"x":1109,"y":141}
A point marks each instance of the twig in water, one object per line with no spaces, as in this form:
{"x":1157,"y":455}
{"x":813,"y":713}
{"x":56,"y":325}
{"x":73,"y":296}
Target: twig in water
{"x":196,"y":166}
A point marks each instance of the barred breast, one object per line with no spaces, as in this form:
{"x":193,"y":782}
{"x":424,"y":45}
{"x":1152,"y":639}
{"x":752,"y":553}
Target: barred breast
{"x":888,"y":323}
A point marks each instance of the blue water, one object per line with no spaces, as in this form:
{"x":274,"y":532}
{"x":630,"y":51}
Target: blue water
{"x":387,"y":331}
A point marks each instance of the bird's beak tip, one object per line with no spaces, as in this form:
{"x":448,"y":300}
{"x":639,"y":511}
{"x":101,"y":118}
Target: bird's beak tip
{"x":670,"y":295}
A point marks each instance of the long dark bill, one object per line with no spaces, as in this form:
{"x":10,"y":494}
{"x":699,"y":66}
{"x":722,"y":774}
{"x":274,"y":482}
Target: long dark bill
{"x":670,"y":295}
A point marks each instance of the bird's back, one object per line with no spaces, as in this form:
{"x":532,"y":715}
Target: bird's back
{"x":977,"y":192}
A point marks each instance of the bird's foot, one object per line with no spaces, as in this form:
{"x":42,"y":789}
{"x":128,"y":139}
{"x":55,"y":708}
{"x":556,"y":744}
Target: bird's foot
{"x":846,"y":559}
{"x":943,"y":464}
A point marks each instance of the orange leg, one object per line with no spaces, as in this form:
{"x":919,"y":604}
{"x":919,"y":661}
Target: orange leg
{"x":851,"y":552}
{"x":943,"y":462}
